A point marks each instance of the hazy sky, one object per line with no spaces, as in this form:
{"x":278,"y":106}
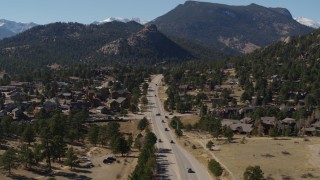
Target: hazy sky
{"x":87,"y":11}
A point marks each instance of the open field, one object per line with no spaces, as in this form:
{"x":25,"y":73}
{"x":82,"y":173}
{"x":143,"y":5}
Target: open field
{"x":292,"y":158}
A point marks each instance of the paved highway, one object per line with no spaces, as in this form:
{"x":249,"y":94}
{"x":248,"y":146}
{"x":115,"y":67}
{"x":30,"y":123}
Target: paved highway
{"x":174,"y":160}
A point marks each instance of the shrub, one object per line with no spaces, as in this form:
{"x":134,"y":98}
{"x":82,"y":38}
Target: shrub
{"x":253,"y":173}
{"x":215,"y":167}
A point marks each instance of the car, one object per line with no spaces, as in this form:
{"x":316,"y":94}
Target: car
{"x":160,"y":140}
{"x":158,"y":114}
{"x":109,"y":160}
{"x":155,"y":95}
{"x":166,"y":116}
{"x":166,"y":129}
{"x":190,"y":170}
{"x":171,"y":142}
{"x":88,"y":165}
{"x":162,"y":121}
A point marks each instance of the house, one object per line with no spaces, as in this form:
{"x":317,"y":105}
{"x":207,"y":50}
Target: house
{"x":78,"y":105}
{"x":241,"y":128}
{"x":10,"y":106}
{"x":50,"y":105}
{"x":102,"y":110}
{"x":122,"y":101}
{"x":112,"y":104}
{"x":268,"y":122}
{"x":17,"y":113}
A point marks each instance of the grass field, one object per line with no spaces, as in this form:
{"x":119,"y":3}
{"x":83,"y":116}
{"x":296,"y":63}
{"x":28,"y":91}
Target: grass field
{"x":287,"y":158}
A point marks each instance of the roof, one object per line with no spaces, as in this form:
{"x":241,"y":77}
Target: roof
{"x":310,"y":129}
{"x":288,"y":121}
{"x":241,"y":127}
{"x":120,"y":99}
{"x":316,"y":124}
{"x":268,"y":120}
{"x":111,"y":101}
{"x":228,"y":122}
{"x":247,"y":120}
{"x":100,"y":107}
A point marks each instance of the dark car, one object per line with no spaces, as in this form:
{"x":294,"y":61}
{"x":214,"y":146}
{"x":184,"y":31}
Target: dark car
{"x":190,"y":170}
{"x":171,"y":142}
{"x":162,"y":121}
{"x":158,"y":114}
{"x":160,"y":140}
{"x":109,"y":160}
{"x":166,"y":129}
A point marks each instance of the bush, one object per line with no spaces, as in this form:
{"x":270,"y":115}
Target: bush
{"x":215,"y":167}
{"x":253,"y":173}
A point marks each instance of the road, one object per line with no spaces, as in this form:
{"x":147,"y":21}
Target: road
{"x":173,"y":159}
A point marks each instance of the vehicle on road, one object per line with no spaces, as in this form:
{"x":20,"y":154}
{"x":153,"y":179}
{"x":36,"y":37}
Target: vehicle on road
{"x":158,"y":114}
{"x":160,"y":140}
{"x":171,"y":142}
{"x":166,"y":129}
{"x":166,"y":116}
{"x":190,"y":170}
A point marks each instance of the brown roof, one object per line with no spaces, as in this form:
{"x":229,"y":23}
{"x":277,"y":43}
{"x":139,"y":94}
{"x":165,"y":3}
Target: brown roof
{"x":268,"y":120}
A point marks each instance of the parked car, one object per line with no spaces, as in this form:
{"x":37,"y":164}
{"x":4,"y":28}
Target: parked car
{"x":171,"y":142}
{"x":160,"y":140}
{"x":162,"y":121}
{"x":158,"y":114}
{"x":109,"y":160}
{"x":166,"y":129}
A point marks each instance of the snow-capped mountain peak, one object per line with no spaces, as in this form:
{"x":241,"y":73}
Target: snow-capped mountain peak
{"x":125,"y":20}
{"x":16,"y":27}
{"x":308,"y":22}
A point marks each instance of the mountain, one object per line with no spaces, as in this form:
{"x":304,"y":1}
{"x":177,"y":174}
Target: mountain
{"x":148,"y":43}
{"x":125,"y":20}
{"x":308,"y":22}
{"x":235,"y":29}
{"x":61,"y":43}
{"x":68,"y":44}
{"x":11,"y":28}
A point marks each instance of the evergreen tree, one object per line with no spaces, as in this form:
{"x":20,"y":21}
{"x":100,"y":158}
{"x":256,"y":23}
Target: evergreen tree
{"x":71,"y":158}
{"x":253,"y":173}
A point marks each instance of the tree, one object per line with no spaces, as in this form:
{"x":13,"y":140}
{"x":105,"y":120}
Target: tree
{"x":120,"y":145}
{"x":71,"y":158}
{"x":229,"y":134}
{"x":253,"y":173}
{"x":6,"y":125}
{"x":8,"y":160}
{"x":209,"y":144}
{"x":273,"y":132}
{"x":93,"y":134}
{"x":28,"y":135}
{"x":26,"y":156}
{"x":58,"y":147}
{"x":178,"y":132}
{"x":215,"y":167}
{"x":143,"y":123}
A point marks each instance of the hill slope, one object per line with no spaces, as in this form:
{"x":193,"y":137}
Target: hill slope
{"x":147,"y":43}
{"x":237,"y":29}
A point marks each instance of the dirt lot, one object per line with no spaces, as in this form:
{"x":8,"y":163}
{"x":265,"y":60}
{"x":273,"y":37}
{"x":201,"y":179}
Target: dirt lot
{"x":120,"y":169}
{"x":292,"y":158}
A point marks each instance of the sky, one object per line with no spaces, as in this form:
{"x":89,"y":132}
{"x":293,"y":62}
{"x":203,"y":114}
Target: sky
{"x":88,"y":11}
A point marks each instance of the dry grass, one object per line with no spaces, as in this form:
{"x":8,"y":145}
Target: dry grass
{"x":190,"y":119}
{"x":286,"y":158}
